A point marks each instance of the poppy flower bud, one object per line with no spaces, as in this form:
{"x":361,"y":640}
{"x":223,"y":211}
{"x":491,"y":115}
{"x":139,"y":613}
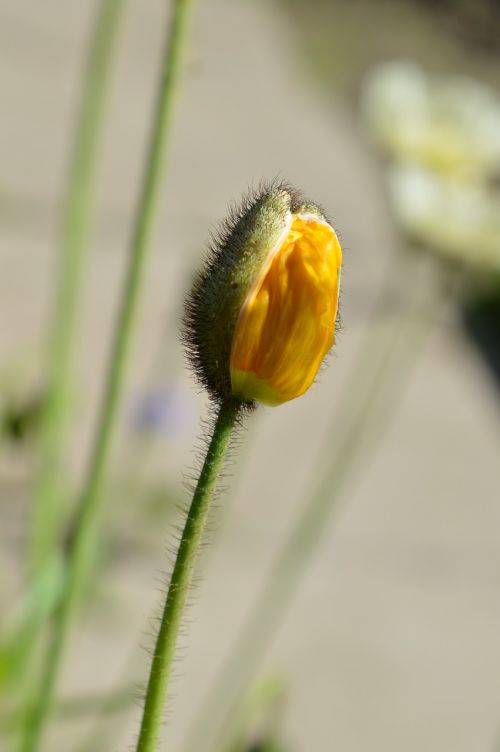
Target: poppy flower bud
{"x":261,"y":315}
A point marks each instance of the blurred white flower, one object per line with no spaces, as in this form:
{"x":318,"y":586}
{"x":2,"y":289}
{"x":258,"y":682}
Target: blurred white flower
{"x":449,"y":124}
{"x":460,"y":220}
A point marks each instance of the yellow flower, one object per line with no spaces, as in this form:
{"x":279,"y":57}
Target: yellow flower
{"x":260,"y":316}
{"x":287,"y":322}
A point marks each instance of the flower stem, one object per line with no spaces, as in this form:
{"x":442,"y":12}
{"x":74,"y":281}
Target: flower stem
{"x":74,"y":235}
{"x":181,"y":578}
{"x":82,"y":530}
{"x":380,"y":373}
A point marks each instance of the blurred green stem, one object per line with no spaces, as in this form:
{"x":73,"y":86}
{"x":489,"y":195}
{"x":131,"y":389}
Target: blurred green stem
{"x":380,"y":372}
{"x":71,"y":708}
{"x":194,"y":527}
{"x":82,"y":530}
{"x":46,"y":525}
{"x":47,"y":514}
{"x":260,"y":710}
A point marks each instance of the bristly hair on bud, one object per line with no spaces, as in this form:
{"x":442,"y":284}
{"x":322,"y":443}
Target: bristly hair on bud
{"x":261,"y":313}
{"x":235,"y":252}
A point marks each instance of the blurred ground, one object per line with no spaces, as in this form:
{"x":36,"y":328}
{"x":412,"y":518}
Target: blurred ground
{"x":392,"y":641}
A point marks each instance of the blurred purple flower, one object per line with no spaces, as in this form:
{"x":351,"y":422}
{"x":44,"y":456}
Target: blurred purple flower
{"x":161,"y":410}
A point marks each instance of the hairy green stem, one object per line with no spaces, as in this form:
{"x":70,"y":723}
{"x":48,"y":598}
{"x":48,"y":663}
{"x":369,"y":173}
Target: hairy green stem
{"x":46,"y":524}
{"x":161,"y":663}
{"x":379,"y":375}
{"x":82,"y":530}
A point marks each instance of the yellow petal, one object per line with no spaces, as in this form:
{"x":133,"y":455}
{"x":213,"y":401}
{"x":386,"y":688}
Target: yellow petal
{"x":287,"y":322}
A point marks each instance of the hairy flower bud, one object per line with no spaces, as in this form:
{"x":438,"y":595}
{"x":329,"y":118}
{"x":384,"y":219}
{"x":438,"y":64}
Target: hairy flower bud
{"x":261,"y":315}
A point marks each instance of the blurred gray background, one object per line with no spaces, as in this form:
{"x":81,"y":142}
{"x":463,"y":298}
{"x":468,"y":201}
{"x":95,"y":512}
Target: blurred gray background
{"x":392,"y":641}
